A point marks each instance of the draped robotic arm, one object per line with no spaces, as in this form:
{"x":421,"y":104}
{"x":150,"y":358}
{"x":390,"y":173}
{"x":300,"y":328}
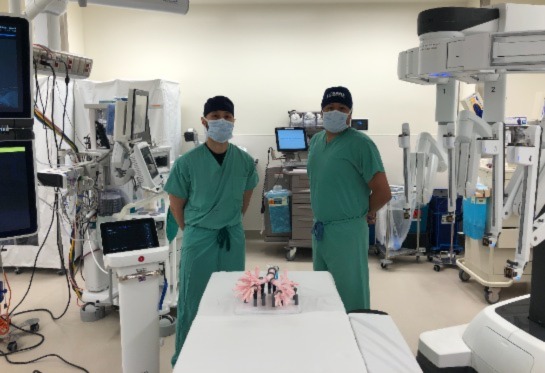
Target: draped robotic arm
{"x":477,"y":139}
{"x":420,"y":168}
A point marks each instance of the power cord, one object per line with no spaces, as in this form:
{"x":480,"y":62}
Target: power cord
{"x":42,"y":340}
{"x":265,"y":181}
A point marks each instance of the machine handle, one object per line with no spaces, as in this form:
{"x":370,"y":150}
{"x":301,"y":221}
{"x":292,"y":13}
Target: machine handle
{"x":140,"y":276}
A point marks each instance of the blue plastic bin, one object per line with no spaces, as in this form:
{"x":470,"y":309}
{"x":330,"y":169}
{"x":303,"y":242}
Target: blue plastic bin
{"x":475,"y":217}
{"x":278,"y":201}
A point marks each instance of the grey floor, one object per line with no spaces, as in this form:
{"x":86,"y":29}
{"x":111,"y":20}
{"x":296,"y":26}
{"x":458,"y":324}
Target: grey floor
{"x":417,"y":298}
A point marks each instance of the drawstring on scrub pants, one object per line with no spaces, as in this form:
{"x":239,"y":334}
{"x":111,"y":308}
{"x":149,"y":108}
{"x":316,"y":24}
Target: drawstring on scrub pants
{"x":223,"y":239}
{"x":318,"y":227}
{"x":318,"y":230}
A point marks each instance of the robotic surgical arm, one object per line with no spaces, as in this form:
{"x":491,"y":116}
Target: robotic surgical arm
{"x":477,"y":139}
{"x":420,"y":168}
{"x":524,"y":151}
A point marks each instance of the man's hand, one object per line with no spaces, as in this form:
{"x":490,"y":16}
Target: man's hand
{"x":177,"y":209}
{"x":380,"y":195}
{"x":371,"y":218}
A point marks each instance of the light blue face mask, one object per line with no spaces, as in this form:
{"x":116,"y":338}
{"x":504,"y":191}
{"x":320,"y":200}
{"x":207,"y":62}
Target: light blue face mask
{"x":220,"y":130}
{"x":335,"y":121}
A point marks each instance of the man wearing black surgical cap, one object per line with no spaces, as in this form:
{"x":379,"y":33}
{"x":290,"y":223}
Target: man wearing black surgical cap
{"x":209,"y":190}
{"x":348,"y":186}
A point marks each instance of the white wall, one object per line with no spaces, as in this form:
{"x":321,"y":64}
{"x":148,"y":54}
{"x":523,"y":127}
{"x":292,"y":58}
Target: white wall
{"x":270,"y":59}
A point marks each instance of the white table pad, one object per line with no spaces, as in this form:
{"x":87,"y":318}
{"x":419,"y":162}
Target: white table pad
{"x":316,"y":342}
{"x":382,"y":345}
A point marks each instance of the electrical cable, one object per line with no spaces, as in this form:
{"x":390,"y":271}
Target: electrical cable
{"x":52,"y":101}
{"x":67,"y":81}
{"x":70,"y":122}
{"x":265,"y":181}
{"x":42,"y":340}
{"x":49,"y":124}
{"x":35,"y":262}
{"x":95,"y":259}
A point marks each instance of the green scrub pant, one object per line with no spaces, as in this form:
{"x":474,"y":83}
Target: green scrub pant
{"x":343,"y":251}
{"x":201,"y":256}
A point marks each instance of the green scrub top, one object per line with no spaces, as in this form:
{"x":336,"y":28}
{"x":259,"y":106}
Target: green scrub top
{"x":214,"y":193}
{"x":340,"y":172}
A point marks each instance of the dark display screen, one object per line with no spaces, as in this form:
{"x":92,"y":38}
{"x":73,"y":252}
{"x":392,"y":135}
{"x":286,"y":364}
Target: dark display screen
{"x":15,"y":93}
{"x":18,"y":213}
{"x":121,"y":236}
{"x":150,"y":162}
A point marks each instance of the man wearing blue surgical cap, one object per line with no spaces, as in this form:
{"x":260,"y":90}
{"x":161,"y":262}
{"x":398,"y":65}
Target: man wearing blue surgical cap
{"x":348,"y":186}
{"x":209,"y":189}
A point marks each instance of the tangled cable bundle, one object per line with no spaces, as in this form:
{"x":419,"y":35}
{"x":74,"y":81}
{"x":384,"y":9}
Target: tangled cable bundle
{"x":251,"y":284}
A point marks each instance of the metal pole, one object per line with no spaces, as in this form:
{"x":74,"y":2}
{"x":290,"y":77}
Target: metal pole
{"x":15,"y":6}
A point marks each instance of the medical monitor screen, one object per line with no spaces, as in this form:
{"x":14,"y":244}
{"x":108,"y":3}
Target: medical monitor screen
{"x":15,"y":93}
{"x":291,"y":139}
{"x":150,"y":162}
{"x":128,"y":235}
{"x":18,"y":213}
{"x":139,"y":114}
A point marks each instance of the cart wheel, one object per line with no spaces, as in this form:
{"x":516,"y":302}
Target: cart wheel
{"x":491,"y":296}
{"x":290,"y":254}
{"x":34,"y":327}
{"x":464,"y":277}
{"x":430,"y":258}
{"x":12,"y":346}
{"x":18,"y":271}
{"x":418,"y":258}
{"x":383,"y":265}
{"x":437,"y":268}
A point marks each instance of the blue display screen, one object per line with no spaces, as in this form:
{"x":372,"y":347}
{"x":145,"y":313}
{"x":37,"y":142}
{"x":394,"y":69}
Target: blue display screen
{"x":291,"y":139}
{"x":15,"y":93}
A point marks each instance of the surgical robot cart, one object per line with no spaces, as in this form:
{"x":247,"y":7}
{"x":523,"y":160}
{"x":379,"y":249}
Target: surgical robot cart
{"x":131,"y":249}
{"x":456,"y":59}
{"x":483,"y":45}
{"x":292,"y":142}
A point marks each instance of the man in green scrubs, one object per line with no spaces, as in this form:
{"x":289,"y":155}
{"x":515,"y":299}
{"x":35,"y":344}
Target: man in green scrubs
{"x":209,"y":189}
{"x":348,"y":186}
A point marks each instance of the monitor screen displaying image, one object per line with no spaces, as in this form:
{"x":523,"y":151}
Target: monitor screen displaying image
{"x":291,"y":139}
{"x":150,"y":162}
{"x":137,"y":115}
{"x":15,"y":92}
{"x":18,"y":212}
{"x":128,"y":235}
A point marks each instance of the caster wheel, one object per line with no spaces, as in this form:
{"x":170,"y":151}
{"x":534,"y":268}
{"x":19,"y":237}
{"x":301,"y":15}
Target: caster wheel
{"x":12,"y":346}
{"x":418,"y":258}
{"x":34,"y":327}
{"x":491,"y":296}
{"x":18,"y":271}
{"x":383,"y":266}
{"x":464,"y":277}
{"x":437,"y":268}
{"x":61,"y":272}
{"x":430,"y":258}
{"x":290,"y":254}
